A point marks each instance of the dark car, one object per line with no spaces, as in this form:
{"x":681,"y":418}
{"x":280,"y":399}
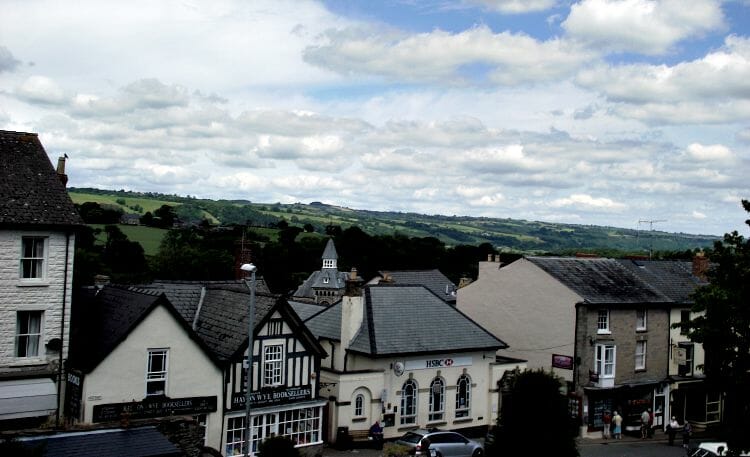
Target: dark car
{"x":444,"y":443}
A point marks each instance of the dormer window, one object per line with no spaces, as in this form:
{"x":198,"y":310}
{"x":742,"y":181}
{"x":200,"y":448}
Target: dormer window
{"x":329,"y":263}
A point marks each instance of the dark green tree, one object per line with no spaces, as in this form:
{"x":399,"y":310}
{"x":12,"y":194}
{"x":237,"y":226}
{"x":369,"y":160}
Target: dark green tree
{"x":724,"y":330}
{"x":534,"y":419}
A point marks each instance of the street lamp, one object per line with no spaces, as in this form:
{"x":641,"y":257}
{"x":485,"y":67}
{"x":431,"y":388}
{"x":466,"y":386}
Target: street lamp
{"x":249,"y":371}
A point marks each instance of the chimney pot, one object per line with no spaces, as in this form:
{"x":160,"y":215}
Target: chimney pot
{"x":700,"y":265}
{"x":61,"y":170}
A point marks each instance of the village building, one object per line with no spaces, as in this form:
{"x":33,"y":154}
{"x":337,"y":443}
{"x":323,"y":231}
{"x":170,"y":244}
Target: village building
{"x":325,"y":286}
{"x":401,"y":355}
{"x":435,"y":281}
{"x":38,"y":225}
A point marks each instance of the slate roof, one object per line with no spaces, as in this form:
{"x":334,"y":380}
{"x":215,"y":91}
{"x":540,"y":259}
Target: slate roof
{"x":323,"y":322}
{"x":132,"y":442}
{"x":31,"y":193}
{"x":672,"y":278}
{"x":599,"y":280}
{"x":433,"y":280}
{"x":406,"y":319}
{"x":330,"y":251}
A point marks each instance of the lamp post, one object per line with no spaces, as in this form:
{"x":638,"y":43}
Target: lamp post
{"x":249,"y":371}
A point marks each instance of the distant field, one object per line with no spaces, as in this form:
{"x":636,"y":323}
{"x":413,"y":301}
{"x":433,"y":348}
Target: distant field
{"x":148,"y":237}
{"x":146,"y":203}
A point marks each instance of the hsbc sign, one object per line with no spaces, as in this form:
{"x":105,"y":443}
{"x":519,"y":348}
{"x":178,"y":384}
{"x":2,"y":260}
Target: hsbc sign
{"x":447,"y":362}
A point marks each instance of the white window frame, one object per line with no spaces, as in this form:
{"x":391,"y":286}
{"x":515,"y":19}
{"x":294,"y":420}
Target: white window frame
{"x":28,"y":337}
{"x":641,"y":319}
{"x":463,"y":392}
{"x":359,"y":405}
{"x":157,"y":376}
{"x":713,"y":407}
{"x":641,"y":348}
{"x":273,"y":364}
{"x":437,"y":400}
{"x":32,"y":261}
{"x":605,"y":356}
{"x":329,"y":263}
{"x":689,"y":358}
{"x":202,"y":421}
{"x":409,"y":402}
{"x":602,"y":322}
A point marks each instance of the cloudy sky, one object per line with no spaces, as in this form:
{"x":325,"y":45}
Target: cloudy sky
{"x":600,"y":112}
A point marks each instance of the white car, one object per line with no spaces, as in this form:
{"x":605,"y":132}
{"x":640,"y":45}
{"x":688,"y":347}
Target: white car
{"x":711,"y":449}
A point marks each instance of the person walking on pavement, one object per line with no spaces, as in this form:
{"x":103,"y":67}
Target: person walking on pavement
{"x":607,"y":420}
{"x":650,"y":431}
{"x":686,"y":431}
{"x":672,"y":430}
{"x":617,"y":421}
{"x":644,"y":424}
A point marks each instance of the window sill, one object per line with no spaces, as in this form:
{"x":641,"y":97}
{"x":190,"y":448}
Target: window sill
{"x":463,"y":420}
{"x":640,"y":370}
{"x":641,"y":330}
{"x":359,"y":419}
{"x":603,"y":332}
{"x":33,"y":283}
{"x":437,"y":423}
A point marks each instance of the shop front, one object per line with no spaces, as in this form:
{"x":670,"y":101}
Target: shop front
{"x":628,"y":400}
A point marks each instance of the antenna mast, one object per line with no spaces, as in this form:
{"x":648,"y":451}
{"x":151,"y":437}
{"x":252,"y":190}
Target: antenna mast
{"x":651,"y":229}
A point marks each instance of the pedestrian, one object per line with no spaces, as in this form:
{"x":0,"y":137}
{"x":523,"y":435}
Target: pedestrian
{"x":672,"y":430}
{"x":607,"y":420}
{"x":686,"y":431}
{"x":376,"y":434}
{"x":617,"y":420}
{"x":650,"y":430}
{"x":644,"y":424}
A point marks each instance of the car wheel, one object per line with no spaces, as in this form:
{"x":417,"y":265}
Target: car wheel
{"x":478,"y":453}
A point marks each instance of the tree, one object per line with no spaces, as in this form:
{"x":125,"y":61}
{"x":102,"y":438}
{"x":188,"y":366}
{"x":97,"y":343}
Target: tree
{"x":723,"y":327}
{"x":534,"y":419}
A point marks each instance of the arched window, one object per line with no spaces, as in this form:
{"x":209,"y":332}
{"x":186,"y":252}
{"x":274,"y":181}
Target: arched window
{"x":437,"y":400}
{"x":359,"y":403}
{"x":409,"y":402}
{"x":463,"y":396}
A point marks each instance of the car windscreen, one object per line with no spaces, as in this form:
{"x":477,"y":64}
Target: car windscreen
{"x":411,"y":437}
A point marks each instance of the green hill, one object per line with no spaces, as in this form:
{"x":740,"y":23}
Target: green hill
{"x":503,"y":234}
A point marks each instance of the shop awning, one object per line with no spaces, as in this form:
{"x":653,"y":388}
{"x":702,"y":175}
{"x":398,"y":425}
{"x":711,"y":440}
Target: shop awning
{"x":27,"y":398}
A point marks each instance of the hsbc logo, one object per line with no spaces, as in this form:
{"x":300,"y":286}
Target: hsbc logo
{"x":439,"y":363}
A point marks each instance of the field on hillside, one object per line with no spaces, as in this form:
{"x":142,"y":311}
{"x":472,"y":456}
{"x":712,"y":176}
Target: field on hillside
{"x":148,"y":237}
{"x":146,"y":203}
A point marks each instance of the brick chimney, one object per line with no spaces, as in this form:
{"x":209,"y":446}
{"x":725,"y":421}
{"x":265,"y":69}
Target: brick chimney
{"x":352,"y":315}
{"x":61,"y":169}
{"x":700,"y":265}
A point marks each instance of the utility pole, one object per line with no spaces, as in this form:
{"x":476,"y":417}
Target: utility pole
{"x":651,"y":229}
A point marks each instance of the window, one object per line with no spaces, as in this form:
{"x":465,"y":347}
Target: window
{"x":640,"y":355}
{"x":156,"y":372}
{"x":28,"y":333}
{"x":640,"y":319}
{"x":605,"y":360}
{"x":437,"y":400}
{"x":685,"y":364}
{"x":273,"y":364}
{"x":409,"y":402}
{"x":602,"y":322}
{"x":235,"y":436}
{"x":302,"y":426}
{"x":463,"y":396}
{"x":359,"y":403}
{"x":32,"y":257}
{"x":713,"y":407}
{"x":684,"y":319}
{"x":200,"y":419}
{"x":329,"y":263}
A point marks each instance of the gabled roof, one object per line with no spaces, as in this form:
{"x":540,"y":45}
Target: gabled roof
{"x":323,"y":322}
{"x":31,"y":193}
{"x":405,"y":319}
{"x":435,"y":281}
{"x":130,"y":442}
{"x":330,"y":251}
{"x":598,"y":280}
{"x":672,"y":278}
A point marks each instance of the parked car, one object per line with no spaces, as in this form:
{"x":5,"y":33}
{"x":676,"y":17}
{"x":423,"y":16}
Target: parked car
{"x":711,"y":449}
{"x":444,"y":443}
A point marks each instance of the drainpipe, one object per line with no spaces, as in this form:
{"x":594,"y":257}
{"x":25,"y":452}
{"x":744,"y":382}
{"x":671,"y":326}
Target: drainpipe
{"x":62,"y":330}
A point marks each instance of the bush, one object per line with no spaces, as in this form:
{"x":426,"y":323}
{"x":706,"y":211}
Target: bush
{"x":277,"y":446}
{"x":395,"y":450}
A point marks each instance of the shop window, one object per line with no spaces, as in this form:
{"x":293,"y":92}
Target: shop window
{"x":640,"y":355}
{"x":200,"y":419}
{"x":359,"y":404}
{"x":409,"y":402}
{"x":156,"y":372}
{"x":602,"y":321}
{"x":273,"y":364}
{"x":463,"y":396}
{"x":437,"y":400}
{"x":28,"y":333}
{"x":33,"y":256}
{"x":640,"y":319}
{"x":301,"y":426}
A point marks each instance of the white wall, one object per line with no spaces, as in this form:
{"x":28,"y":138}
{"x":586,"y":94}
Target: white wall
{"x":675,"y":338}
{"x":121,"y":377}
{"x":39,"y":295}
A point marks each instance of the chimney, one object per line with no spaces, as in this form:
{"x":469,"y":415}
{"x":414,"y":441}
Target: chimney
{"x":61,"y":169}
{"x":464,"y":281}
{"x":353,"y":284}
{"x":352,"y":315}
{"x":700,"y":265}
{"x":490,"y":257}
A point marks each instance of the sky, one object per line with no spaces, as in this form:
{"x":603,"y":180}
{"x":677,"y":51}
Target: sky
{"x":624,"y":113}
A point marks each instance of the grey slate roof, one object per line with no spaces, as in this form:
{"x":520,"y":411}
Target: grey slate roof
{"x":330,"y":251}
{"x":674,"y":279}
{"x":433,"y":280}
{"x":132,"y":442}
{"x":31,"y":193}
{"x":406,"y":319}
{"x":323,"y":322}
{"x":599,"y":281}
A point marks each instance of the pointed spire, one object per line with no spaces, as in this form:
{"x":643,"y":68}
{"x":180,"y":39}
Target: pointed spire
{"x":330,"y":256}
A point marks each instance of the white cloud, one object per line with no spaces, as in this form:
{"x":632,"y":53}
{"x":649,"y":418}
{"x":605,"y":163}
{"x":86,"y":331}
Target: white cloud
{"x":585,"y":201}
{"x":516,"y":6}
{"x":706,"y":153}
{"x":649,"y":27}
{"x":43,"y":90}
{"x":698,"y":215}
{"x":7,"y":61}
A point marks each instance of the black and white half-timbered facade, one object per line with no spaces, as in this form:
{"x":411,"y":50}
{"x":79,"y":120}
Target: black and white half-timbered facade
{"x":284,"y":373}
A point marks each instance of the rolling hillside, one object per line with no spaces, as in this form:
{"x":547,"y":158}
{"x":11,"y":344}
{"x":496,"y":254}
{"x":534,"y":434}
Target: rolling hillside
{"x":503,"y":234}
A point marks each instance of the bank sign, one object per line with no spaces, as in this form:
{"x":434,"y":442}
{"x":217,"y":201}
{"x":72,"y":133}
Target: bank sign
{"x":278,"y":396}
{"x":447,"y":362}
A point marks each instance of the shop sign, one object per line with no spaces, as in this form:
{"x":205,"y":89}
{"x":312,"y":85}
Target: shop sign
{"x":680,"y":356}
{"x":154,"y":407}
{"x":562,"y":361}
{"x":273,"y":396}
{"x":73,"y":390}
{"x":447,"y":362}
